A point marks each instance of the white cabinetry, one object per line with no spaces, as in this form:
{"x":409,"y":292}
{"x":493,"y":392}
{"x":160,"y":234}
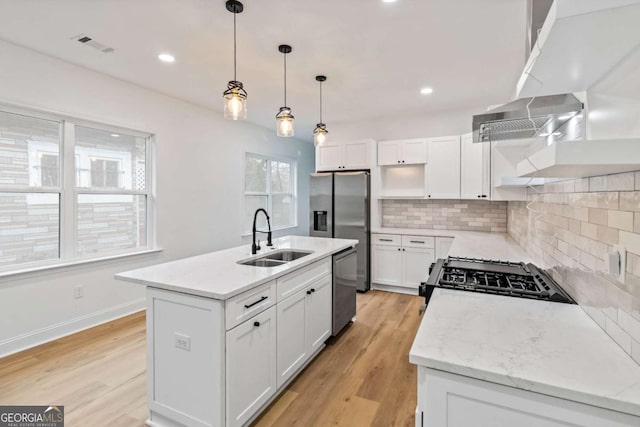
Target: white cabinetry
{"x":304,"y":324}
{"x":475,"y":169}
{"x":443,"y":168}
{"x":402,"y":152}
{"x":349,"y":155}
{"x":401,"y":261}
{"x":449,"y":400}
{"x":251,"y":366}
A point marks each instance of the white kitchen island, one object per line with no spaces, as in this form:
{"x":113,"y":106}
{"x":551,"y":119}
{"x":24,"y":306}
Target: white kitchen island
{"x":224,"y":339}
{"x":490,"y":360}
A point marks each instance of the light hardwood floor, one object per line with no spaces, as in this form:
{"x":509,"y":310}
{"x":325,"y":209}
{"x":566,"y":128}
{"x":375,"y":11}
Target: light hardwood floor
{"x":362,"y":378}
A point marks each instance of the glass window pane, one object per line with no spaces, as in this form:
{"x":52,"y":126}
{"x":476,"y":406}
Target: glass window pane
{"x":255,"y":174}
{"x":281,"y":177}
{"x":251,"y":203}
{"x":28,"y":146}
{"x":283,"y":210}
{"x":108,"y":160}
{"x":109,"y":222}
{"x":29,"y":227}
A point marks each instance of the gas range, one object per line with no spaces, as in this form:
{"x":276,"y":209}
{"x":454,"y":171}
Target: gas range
{"x":493,"y":277}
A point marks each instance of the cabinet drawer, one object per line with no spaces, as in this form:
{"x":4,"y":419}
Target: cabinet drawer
{"x":418,"y":242}
{"x":293,"y":282}
{"x":248,"y":304}
{"x":386,"y":239}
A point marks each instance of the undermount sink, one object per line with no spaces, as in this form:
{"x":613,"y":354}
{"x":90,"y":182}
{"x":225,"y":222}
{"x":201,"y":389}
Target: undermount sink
{"x":275,"y":258}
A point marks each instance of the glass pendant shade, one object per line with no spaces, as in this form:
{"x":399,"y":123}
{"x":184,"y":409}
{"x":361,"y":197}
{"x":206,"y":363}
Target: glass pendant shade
{"x":320,"y":134}
{"x":235,"y":101}
{"x":285,"y":122}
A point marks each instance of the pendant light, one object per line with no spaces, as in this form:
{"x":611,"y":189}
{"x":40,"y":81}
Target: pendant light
{"x":284,"y":118}
{"x":235,"y":97}
{"x":320,"y":132}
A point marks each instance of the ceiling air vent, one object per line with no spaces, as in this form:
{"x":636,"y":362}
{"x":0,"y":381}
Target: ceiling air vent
{"x":86,"y":40}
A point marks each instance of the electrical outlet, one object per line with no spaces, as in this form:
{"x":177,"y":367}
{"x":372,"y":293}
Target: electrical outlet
{"x":182,"y":341}
{"x":78,"y":291}
{"x":616,"y":263}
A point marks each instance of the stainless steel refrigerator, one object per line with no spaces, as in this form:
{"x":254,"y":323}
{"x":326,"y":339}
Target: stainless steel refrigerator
{"x":339,"y":208}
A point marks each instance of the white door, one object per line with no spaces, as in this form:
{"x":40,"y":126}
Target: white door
{"x":328,"y":157}
{"x":415,"y":266}
{"x":443,"y":168}
{"x":389,"y":153}
{"x":414,"y":152}
{"x":319,"y":319}
{"x":387,"y":265}
{"x":356,"y":155}
{"x":251,"y":366}
{"x":292,"y":335}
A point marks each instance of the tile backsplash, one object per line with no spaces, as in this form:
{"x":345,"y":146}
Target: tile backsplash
{"x":568,"y":227}
{"x":472,"y":215}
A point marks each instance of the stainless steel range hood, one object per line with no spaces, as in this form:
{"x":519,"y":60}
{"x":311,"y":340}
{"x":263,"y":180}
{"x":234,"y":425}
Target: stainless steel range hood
{"x":515,"y":121}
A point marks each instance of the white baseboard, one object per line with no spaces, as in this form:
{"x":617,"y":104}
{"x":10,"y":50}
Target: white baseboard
{"x":62,"y":329}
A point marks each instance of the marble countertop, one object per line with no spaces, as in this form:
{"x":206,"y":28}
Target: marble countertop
{"x":471,"y":244}
{"x":544,"y":347}
{"x":218,"y":275}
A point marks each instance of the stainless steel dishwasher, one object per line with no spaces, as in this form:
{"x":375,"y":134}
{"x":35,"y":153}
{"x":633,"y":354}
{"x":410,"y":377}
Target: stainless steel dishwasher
{"x":345,"y":280}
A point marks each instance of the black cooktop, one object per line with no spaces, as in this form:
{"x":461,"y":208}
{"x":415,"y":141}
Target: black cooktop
{"x":493,"y":277}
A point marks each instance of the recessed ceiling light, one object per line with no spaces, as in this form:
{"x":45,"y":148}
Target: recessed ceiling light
{"x":115,"y":135}
{"x":165,"y":57}
{"x":426,"y":90}
{"x":389,"y":1}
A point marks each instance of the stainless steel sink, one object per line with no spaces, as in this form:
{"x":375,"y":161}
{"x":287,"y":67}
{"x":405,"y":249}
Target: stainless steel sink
{"x":262,"y":262}
{"x":275,"y":258}
{"x":287,"y":256}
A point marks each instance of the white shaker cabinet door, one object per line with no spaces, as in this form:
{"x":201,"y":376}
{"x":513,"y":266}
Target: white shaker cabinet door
{"x":414,"y":152}
{"x":389,"y":153}
{"x":356,"y":155}
{"x":319,"y":319}
{"x":443,"y":168}
{"x":415,"y":264}
{"x":328,"y":157}
{"x":251,"y":366}
{"x":387,"y":265}
{"x":292,"y":339}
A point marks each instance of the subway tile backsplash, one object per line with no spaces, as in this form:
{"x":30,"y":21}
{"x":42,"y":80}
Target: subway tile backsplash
{"x":471,"y":215}
{"x":568,"y":227}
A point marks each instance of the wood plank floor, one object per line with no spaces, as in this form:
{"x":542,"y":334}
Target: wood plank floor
{"x":363,"y":378}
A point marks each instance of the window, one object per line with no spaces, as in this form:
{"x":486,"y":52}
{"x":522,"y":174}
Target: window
{"x":270,"y":183}
{"x":91,"y":201}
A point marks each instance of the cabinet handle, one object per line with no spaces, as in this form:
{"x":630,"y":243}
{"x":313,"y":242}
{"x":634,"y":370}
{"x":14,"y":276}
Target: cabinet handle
{"x":386,"y":240}
{"x":403,"y":161}
{"x":309,"y":292}
{"x":256,"y":323}
{"x":398,"y":161}
{"x":484,"y":195}
{"x":403,"y":249}
{"x":429,"y":195}
{"x":313,"y":290}
{"x":416,"y":241}
{"x":399,"y":249}
{"x":254,"y":303}
{"x":478,"y":196}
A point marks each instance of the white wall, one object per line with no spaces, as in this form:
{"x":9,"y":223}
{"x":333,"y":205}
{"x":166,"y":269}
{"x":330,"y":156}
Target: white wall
{"x":199,"y":175}
{"x":441,"y":123}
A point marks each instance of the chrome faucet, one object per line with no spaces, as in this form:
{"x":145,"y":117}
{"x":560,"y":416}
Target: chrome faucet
{"x":256,"y":247}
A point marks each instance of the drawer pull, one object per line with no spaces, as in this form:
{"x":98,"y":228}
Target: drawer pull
{"x":417,"y":241}
{"x":254,"y":303}
{"x":386,"y":240}
{"x":256,"y":323}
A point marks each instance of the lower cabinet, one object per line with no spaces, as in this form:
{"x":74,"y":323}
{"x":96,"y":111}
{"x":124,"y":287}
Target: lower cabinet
{"x":402,"y":261}
{"x":450,"y":400}
{"x":387,"y":265}
{"x":304,"y":324}
{"x":415,"y":266}
{"x":251,"y":366}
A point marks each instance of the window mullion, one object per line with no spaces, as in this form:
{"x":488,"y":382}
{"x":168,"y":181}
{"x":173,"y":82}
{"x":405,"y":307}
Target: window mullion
{"x":68,"y":193}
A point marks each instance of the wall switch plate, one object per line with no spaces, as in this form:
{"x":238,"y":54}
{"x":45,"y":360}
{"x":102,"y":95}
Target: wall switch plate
{"x":182,"y":341}
{"x":616,"y":263}
{"x":78,"y":291}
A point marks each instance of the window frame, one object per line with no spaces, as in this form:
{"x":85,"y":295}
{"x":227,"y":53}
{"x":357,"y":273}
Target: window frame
{"x":294,"y":188}
{"x":68,"y":193}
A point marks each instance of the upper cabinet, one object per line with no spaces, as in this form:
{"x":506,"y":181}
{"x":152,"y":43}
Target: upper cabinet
{"x":579,"y":43}
{"x":475,"y":169}
{"x":443,"y":168}
{"x":352,"y":155}
{"x":402,"y":152}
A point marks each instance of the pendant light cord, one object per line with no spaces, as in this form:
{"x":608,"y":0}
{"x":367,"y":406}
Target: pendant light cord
{"x":235,"y":78}
{"x":320,"y":102}
{"x":285,"y":79}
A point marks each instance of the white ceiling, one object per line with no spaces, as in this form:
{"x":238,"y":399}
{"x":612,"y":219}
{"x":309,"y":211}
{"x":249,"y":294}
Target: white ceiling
{"x":376,"y":55}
